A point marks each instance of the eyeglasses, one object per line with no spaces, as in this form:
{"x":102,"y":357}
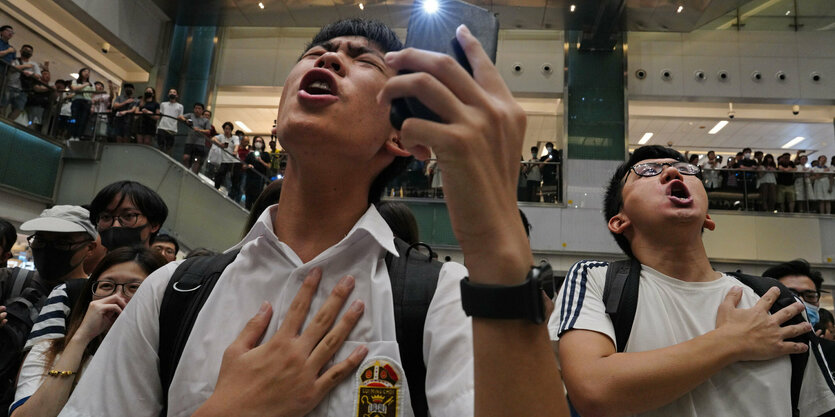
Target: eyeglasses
{"x":108,"y":288}
{"x":811,"y":296}
{"x":38,"y":242}
{"x":125,"y":219}
{"x":164,"y":249}
{"x":651,"y":169}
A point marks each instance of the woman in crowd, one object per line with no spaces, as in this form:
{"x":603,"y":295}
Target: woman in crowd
{"x":256,"y":162}
{"x":802,"y":184}
{"x":822,"y":185}
{"x":149,"y":109}
{"x":222,"y":156}
{"x":81,"y":103}
{"x":768,"y":182}
{"x":51,"y":368}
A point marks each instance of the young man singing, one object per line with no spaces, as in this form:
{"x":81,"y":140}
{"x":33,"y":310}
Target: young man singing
{"x":702,"y":343}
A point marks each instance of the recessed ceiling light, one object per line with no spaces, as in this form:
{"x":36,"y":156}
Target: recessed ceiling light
{"x":260,"y":4}
{"x":718,"y":127}
{"x":430,"y":6}
{"x":680,"y":9}
{"x":645,"y":138}
{"x":572,"y":8}
{"x":362,"y":6}
{"x":788,"y":12}
{"x":243,"y":126}
{"x":793,"y":142}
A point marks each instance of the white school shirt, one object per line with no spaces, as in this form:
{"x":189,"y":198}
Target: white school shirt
{"x":123,"y":380}
{"x":671,"y":311}
{"x":174,"y":110}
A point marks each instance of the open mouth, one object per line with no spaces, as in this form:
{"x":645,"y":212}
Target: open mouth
{"x":319,"y":82}
{"x":679,"y":193}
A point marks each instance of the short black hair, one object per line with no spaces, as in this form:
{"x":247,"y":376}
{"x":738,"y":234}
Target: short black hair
{"x":26,"y":45}
{"x":8,"y":235}
{"x":547,"y":144}
{"x":401,"y":220}
{"x":163,"y":237}
{"x":614,"y":199}
{"x":239,"y":132}
{"x":383,"y":37}
{"x":534,"y":148}
{"x":128,"y":85}
{"x":796,"y":267}
{"x":746,"y":149}
{"x":231,"y":126}
{"x":826,"y":318}
{"x":199,"y":104}
{"x":4,"y":27}
{"x":149,"y":203}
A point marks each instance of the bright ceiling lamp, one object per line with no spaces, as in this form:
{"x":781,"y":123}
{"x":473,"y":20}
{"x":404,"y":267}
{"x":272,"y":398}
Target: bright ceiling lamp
{"x":680,"y":9}
{"x":243,"y":126}
{"x":793,"y":142}
{"x":718,"y":127}
{"x":645,"y":138}
{"x":261,"y":5}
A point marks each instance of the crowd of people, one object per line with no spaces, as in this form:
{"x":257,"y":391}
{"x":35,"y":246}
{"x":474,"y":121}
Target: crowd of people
{"x":786,"y":184}
{"x":321,"y":310}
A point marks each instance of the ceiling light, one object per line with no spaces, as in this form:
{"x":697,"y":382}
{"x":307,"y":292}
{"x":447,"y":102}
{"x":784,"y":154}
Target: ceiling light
{"x":718,"y":127}
{"x":793,"y":142}
{"x":362,"y":6}
{"x":260,"y":4}
{"x":788,"y":12}
{"x":645,"y":138}
{"x":572,"y":8}
{"x":74,"y":75}
{"x":243,"y":126}
{"x":430,"y":6}
{"x":680,"y":9}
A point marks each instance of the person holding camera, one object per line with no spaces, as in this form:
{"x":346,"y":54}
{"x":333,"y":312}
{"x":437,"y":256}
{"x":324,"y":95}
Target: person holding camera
{"x":194,"y":152}
{"x":257,"y":160}
{"x":223,"y":154}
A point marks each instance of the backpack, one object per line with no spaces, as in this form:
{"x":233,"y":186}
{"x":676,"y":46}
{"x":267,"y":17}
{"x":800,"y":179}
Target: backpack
{"x":413,"y":275}
{"x":23,"y":294}
{"x":620,"y":296}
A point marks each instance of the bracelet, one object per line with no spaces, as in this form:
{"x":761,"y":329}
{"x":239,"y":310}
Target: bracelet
{"x":56,"y":373}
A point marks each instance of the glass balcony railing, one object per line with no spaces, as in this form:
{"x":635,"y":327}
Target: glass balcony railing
{"x":539,"y":182}
{"x":804,"y":190}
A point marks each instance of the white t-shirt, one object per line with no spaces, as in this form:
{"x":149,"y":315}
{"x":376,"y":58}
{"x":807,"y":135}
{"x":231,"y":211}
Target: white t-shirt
{"x":32,"y":373}
{"x":174,"y":110}
{"x":671,"y":311}
{"x":123,"y":378}
{"x":218,"y":155}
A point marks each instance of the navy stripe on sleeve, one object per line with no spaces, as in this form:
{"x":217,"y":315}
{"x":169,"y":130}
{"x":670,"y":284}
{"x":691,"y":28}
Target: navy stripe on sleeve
{"x":579,"y":277}
{"x":57,"y":314}
{"x":18,"y":403}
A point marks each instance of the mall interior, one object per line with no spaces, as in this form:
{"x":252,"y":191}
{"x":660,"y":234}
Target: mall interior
{"x":596,"y":79}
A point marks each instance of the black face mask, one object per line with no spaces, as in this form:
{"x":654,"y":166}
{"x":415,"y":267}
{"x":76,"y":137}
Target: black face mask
{"x":129,"y":92}
{"x":119,"y":237}
{"x":52,"y":263}
{"x":172,"y":96}
{"x":149,"y":95}
{"x":26,"y":54}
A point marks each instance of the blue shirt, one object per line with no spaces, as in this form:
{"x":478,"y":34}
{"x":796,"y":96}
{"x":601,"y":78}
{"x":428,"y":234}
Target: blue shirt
{"x":8,"y":57}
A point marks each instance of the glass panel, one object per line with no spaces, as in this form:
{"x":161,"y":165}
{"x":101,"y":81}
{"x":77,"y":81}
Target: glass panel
{"x":806,"y":191}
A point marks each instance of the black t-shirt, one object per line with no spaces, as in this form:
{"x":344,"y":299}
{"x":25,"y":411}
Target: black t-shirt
{"x":251,"y":160}
{"x":151,"y":106}
{"x":786,"y":178}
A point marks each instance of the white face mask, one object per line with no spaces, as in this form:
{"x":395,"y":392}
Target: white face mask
{"x":259,"y":145}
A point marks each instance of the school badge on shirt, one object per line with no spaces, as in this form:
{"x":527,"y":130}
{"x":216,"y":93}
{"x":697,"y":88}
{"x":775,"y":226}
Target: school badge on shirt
{"x":379,"y":383}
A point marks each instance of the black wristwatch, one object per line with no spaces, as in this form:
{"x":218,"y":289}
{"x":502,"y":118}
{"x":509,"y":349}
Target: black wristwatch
{"x":523,"y":301}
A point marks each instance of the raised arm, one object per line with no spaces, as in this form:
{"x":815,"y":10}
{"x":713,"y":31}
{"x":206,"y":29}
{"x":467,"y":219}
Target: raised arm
{"x":478,"y":148}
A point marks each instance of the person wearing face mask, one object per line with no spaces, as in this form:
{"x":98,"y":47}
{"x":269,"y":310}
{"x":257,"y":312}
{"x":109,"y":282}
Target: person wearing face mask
{"x":194,"y":151}
{"x":148,"y":108}
{"x":171,"y":110}
{"x":805,"y":282}
{"x":549,"y":173}
{"x":256,"y":164}
{"x":63,"y":238}
{"x":20,"y":82}
{"x":123,"y":106}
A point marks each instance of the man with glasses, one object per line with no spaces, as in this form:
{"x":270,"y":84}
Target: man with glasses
{"x":166,"y":246}
{"x":62,"y":239}
{"x":701,"y":343}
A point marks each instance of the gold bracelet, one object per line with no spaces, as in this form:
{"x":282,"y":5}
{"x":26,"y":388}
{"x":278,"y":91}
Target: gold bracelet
{"x":56,"y":373}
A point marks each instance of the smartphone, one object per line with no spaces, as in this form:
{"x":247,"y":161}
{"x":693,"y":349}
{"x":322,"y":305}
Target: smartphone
{"x":436,"y":32}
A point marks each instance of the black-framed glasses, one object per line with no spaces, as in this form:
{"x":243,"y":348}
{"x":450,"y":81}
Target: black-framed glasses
{"x":810,"y":296}
{"x":651,"y":169}
{"x":127,"y":219}
{"x":38,"y":242}
{"x":107,"y":288}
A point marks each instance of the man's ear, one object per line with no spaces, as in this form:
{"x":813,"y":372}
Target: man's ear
{"x":619,"y":223}
{"x":395,"y":147}
{"x":709,"y":224}
{"x":155,"y":228}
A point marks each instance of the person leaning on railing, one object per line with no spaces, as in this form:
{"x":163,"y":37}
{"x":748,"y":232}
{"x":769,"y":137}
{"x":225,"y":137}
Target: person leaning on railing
{"x":149,"y":109}
{"x":39,"y":103}
{"x":81,"y":103}
{"x":123,"y":106}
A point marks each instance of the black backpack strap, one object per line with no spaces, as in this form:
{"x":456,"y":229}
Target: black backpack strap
{"x":620,"y":296}
{"x":414,"y":277}
{"x":187,"y":291}
{"x":761,"y":285}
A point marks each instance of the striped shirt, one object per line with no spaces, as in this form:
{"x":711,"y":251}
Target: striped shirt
{"x":51,"y":321}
